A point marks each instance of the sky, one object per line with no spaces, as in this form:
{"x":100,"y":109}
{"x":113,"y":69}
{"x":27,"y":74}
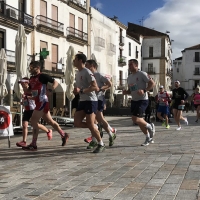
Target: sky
{"x":180,"y":17}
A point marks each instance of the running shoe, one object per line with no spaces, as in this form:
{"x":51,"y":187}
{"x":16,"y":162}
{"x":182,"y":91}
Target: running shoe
{"x":21,"y":144}
{"x":111,"y":139}
{"x":152,"y":130}
{"x":186,"y":121}
{"x":30,"y":147}
{"x":65,"y":139}
{"x":88,"y":140}
{"x":164,"y":123}
{"x":168,"y":126}
{"x":91,"y":145}
{"x":151,"y":141}
{"x":49,"y":134}
{"x":179,"y":128}
{"x":99,"y":149}
{"x":114,"y":130}
{"x":146,"y":142}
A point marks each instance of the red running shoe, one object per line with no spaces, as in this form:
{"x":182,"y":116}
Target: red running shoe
{"x":88,"y":140}
{"x":49,"y":134}
{"x":21,"y":144}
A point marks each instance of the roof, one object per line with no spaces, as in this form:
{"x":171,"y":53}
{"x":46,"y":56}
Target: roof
{"x":136,"y":30}
{"x":193,"y":47}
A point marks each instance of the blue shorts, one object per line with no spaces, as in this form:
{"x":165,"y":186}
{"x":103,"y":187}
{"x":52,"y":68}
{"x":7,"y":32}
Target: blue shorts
{"x":101,"y":105}
{"x":88,"y":107}
{"x":138,"y":107}
{"x":163,"y":110}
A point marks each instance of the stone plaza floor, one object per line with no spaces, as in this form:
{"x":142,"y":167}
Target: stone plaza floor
{"x":166,"y":170}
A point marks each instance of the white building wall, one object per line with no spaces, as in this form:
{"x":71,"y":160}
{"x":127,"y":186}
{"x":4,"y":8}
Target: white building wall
{"x":151,"y":42}
{"x":103,"y":27}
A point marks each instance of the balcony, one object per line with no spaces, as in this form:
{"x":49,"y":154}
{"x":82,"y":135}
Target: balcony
{"x":169,"y":72}
{"x":100,"y":42}
{"x":196,"y":59}
{"x":77,"y":36}
{"x":53,"y":69}
{"x":49,"y":26}
{"x":111,"y":49}
{"x":196,"y":73}
{"x":121,"y":61}
{"x":151,"y":71}
{"x":76,"y":4}
{"x":12,"y":17}
{"x":121,"y":41}
{"x":11,"y":60}
{"x":121,"y":84}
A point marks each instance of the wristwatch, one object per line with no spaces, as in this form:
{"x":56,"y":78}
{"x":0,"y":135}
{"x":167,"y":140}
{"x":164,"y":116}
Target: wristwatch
{"x":81,"y":90}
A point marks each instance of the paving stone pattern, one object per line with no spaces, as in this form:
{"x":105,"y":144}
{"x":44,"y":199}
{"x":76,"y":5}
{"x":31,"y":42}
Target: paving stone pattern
{"x":169,"y":169}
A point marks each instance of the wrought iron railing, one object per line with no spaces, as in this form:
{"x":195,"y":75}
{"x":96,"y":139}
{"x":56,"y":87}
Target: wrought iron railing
{"x":15,"y":14}
{"x":121,"y":59}
{"x":151,"y":70}
{"x":42,"y":20}
{"x":77,"y":2}
{"x":112,"y":47}
{"x":196,"y":59}
{"x":100,"y":42}
{"x":196,"y":72}
{"x":77,"y":33}
{"x":55,"y":67}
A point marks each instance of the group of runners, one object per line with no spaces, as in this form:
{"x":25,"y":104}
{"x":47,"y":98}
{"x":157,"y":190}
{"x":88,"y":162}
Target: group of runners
{"x":91,"y":86}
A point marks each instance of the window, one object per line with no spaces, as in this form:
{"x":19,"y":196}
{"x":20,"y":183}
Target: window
{"x":54,"y":15}
{"x":136,"y":52}
{"x":177,"y":70}
{"x":43,"y":8}
{"x":129,"y":49}
{"x":72,"y":23}
{"x":43,"y":45}
{"x":120,"y":78}
{"x":54,"y":56}
{"x":80,"y":27}
{"x":150,"y":52}
{"x":150,"y":67}
{"x":2,"y":39}
{"x":197,"y":57}
{"x":196,"y":83}
{"x":179,"y":63}
{"x":197,"y":67}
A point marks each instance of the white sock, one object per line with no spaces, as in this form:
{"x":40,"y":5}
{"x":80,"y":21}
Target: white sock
{"x":94,"y":139}
{"x":148,"y":126}
{"x":110,"y":134}
{"x":101,"y":143}
{"x":148,"y":135}
{"x":110,"y":127}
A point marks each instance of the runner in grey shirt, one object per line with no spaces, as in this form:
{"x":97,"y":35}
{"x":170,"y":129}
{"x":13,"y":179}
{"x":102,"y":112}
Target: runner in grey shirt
{"x":86,"y":86}
{"x":103,"y":84}
{"x":139,"y":83}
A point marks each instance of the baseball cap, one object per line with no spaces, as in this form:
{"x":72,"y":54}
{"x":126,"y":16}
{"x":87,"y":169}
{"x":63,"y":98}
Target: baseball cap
{"x":161,"y":86}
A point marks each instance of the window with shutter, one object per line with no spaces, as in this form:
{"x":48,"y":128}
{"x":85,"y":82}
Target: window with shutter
{"x":54,"y":16}
{"x":54,"y":56}
{"x":80,"y":27}
{"x":71,"y":24}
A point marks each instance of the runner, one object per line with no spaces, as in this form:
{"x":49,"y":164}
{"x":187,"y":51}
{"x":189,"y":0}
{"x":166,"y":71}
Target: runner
{"x":29,"y":106}
{"x":38,"y":88}
{"x":86,"y":86}
{"x":103,"y":84}
{"x":163,"y":107}
{"x":137,"y":82}
{"x":196,"y":100}
{"x":179,"y":95}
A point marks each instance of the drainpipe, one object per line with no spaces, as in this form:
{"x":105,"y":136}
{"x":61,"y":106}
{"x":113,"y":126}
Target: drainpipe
{"x":88,"y":12}
{"x":33,"y":32}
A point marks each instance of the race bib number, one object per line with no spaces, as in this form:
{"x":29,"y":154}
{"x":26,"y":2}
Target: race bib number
{"x":162,"y":104}
{"x":133,"y":87}
{"x":181,"y":107}
{"x":34,"y":93}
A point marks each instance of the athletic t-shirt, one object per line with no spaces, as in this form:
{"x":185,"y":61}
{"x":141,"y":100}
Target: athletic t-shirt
{"x":163,"y":95}
{"x":179,"y":94}
{"x":101,"y":80}
{"x":83,"y":80}
{"x":38,"y":86}
{"x":138,"y":81}
{"x":196,"y":99}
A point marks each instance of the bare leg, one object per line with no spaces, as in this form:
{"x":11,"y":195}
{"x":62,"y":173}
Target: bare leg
{"x":24,"y":130}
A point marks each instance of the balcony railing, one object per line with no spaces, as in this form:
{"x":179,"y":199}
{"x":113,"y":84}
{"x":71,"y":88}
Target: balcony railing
{"x":121,"y":40}
{"x":100,"y":42}
{"x":196,"y":72}
{"x":112,"y":47}
{"x":77,"y":33}
{"x":50,"y":23}
{"x":121,"y":61}
{"x":55,"y":68}
{"x":196,"y":59}
{"x":150,"y":71}
{"x":14,"y":14}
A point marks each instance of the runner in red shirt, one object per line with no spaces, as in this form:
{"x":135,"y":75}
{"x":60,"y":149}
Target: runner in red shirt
{"x":29,"y":106}
{"x":38,"y":88}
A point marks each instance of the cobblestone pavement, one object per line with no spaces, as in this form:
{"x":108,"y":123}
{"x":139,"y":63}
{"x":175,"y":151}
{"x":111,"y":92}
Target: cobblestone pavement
{"x":166,"y":170}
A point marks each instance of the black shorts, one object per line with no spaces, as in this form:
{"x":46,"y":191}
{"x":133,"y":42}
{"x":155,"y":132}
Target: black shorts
{"x":27,"y":115}
{"x":178,"y":106}
{"x":138,"y":107}
{"x":88,"y":107}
